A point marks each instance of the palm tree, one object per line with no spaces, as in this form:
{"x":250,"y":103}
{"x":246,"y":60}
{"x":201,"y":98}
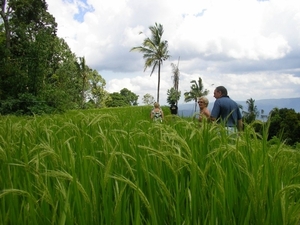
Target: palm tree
{"x":175,"y":77}
{"x":197,"y":90}
{"x":155,"y":51}
{"x":252,"y":111}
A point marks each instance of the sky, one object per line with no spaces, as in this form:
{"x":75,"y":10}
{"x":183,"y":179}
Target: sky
{"x":252,"y":47}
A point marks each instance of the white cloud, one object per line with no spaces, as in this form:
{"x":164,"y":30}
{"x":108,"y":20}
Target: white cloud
{"x":251,"y":47}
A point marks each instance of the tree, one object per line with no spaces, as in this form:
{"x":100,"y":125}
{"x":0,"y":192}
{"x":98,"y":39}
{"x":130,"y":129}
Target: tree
{"x":173,"y":96}
{"x":197,"y":90}
{"x":64,"y":75}
{"x":24,"y":19}
{"x":5,"y":13}
{"x":29,"y":37}
{"x":252,"y":113}
{"x":38,"y":71}
{"x":155,"y":51}
{"x":285,"y":124}
{"x":116,"y":100}
{"x":83,"y":71}
{"x":174,"y":93}
{"x":124,"y":98}
{"x":148,"y":99}
{"x":130,"y":97}
{"x":98,"y":94}
{"x":30,"y":32}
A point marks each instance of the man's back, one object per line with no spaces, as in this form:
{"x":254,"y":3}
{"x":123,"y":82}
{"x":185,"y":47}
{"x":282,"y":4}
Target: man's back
{"x":225,"y":109}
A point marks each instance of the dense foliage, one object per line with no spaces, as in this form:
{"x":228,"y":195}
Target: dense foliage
{"x":38,"y":71}
{"x":173,"y":96}
{"x":124,"y":98}
{"x":285,"y":125}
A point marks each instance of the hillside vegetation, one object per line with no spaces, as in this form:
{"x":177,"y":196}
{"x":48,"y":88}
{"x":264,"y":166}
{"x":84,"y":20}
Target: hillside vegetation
{"x":115,"y":166}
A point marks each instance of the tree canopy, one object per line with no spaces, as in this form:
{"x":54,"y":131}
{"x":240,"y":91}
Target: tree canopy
{"x":124,"y":98}
{"x":38,"y":71}
{"x":155,"y":51}
{"x":148,"y":99}
{"x":173,"y":96}
{"x":285,"y":124}
{"x":174,"y":93}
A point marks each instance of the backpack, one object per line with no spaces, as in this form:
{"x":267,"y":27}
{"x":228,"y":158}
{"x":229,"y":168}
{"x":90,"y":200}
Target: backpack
{"x":157,"y":116}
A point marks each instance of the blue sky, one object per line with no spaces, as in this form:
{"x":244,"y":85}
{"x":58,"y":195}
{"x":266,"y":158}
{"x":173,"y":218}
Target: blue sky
{"x":83,"y":7}
{"x":251,"y":47}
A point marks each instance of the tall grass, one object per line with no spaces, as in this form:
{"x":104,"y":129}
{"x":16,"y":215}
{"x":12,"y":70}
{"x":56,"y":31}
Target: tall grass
{"x":114,"y":166}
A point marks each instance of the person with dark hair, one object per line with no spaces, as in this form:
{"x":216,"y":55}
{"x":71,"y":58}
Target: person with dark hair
{"x":174,"y":109}
{"x":226,"y":111}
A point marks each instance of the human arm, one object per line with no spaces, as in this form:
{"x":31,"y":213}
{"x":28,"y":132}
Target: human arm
{"x":215,"y":112}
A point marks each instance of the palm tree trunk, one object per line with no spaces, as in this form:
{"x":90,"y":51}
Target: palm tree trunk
{"x":158,"y":82}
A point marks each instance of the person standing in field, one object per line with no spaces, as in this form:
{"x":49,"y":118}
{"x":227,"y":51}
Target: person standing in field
{"x":226,"y":111}
{"x":157,"y":114}
{"x":174,"y":108}
{"x":204,"y":111}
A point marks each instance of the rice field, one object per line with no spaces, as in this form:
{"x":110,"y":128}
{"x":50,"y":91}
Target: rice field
{"x":115,"y":166}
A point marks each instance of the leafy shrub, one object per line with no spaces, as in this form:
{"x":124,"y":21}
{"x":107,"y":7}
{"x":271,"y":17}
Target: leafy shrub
{"x":26,"y":104}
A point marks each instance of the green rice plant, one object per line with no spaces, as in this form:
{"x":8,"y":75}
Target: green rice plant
{"x":115,"y":166}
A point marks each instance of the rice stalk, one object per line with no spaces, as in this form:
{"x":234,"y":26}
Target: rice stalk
{"x":63,"y":175}
{"x":13,"y":191}
{"x":136,"y":188}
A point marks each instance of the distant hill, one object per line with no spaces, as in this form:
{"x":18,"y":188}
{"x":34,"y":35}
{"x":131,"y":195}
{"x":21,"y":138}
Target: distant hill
{"x":264,"y":104}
